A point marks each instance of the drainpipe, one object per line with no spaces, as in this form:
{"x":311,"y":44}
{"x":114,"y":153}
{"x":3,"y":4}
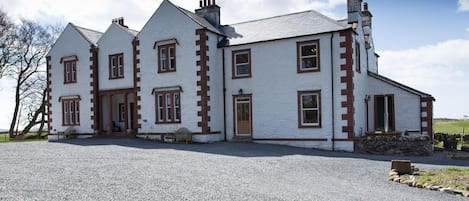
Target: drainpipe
{"x":332,"y":89}
{"x":224,"y":96}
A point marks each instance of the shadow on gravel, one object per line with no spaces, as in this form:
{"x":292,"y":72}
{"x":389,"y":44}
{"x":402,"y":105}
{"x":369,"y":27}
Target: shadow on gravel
{"x":260,"y":150}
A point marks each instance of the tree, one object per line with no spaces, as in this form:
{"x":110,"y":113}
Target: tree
{"x":7,"y":36}
{"x":27,"y":67}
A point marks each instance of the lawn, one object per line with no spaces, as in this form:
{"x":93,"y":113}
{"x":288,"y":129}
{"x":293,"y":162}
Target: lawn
{"x":454,"y":178}
{"x":451,"y":126}
{"x":30,"y":137}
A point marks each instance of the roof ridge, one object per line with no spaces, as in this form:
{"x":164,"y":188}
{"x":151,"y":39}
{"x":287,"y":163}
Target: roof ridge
{"x":86,"y":28}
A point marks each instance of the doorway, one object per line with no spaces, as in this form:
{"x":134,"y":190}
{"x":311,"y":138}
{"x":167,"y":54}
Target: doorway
{"x":243,"y":115}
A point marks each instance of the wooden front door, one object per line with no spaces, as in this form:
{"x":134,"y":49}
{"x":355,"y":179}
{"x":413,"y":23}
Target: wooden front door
{"x":243,"y":121}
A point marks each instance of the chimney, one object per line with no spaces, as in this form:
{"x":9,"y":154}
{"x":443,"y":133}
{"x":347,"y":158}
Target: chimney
{"x":119,"y":21}
{"x":210,"y":11}
{"x":366,"y":23}
{"x":354,"y":8}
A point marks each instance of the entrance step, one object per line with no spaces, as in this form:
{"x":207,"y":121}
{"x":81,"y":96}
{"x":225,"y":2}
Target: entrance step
{"x":242,"y":139}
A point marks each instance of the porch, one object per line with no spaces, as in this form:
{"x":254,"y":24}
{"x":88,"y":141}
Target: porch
{"x":117,"y":113}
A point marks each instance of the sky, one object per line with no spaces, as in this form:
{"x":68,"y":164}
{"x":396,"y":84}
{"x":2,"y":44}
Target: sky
{"x":422,"y":43}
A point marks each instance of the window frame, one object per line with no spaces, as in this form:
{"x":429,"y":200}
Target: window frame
{"x":392,"y":118}
{"x":162,"y":108}
{"x":167,"y":57}
{"x":299,"y":56}
{"x":235,"y":65}
{"x":71,"y":117}
{"x":358,"y":66}
{"x":119,"y":66}
{"x":316,"y":93}
{"x":70,"y":72}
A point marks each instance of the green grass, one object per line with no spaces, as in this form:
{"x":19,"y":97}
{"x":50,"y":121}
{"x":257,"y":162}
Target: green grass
{"x":452,"y":177}
{"x":451,"y":126}
{"x":31,"y":137}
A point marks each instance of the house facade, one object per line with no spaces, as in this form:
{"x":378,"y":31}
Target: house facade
{"x":301,"y":79}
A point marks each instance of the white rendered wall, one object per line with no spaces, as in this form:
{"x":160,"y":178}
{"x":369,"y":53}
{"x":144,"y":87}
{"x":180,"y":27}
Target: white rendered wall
{"x":71,"y":43}
{"x":274,"y":86}
{"x":407,"y":105}
{"x":169,"y":23}
{"x":115,"y":41}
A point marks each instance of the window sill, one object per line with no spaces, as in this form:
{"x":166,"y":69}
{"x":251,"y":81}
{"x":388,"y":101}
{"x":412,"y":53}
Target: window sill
{"x":166,"y":71}
{"x":309,"y":70}
{"x":241,"y":77}
{"x":177,"y":122}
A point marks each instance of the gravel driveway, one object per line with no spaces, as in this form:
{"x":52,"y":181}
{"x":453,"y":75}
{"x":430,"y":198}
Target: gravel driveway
{"x":133,"y":169}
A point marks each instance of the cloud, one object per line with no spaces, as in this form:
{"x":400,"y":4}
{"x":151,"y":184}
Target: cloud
{"x":440,"y":69}
{"x":463,"y":5}
{"x":98,"y":14}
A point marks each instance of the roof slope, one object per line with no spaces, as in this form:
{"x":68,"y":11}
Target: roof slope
{"x":399,"y":85}
{"x":280,"y":27}
{"x":91,"y":36}
{"x":200,"y":20}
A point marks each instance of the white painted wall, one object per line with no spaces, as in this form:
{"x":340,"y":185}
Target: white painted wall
{"x":274,"y":86}
{"x":169,"y":23}
{"x":407,"y":105}
{"x":114,"y":41}
{"x":71,"y":43}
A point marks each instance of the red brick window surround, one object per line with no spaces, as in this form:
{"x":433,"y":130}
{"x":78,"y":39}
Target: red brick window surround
{"x":308,"y":55}
{"x":70,"y":71}
{"x":241,"y":64}
{"x":70,"y":112}
{"x":116,"y":66}
{"x":309,"y":109}
{"x":167,"y":58}
{"x":168,"y":107}
{"x":357,"y":57}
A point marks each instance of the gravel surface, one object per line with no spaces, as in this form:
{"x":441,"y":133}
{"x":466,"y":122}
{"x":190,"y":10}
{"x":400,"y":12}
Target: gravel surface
{"x":133,"y":169}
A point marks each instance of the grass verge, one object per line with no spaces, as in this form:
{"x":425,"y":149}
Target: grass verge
{"x":451,"y":126}
{"x":455,"y":178}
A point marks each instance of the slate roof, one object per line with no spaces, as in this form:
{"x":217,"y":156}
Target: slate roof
{"x":91,"y":36}
{"x":399,"y":85}
{"x":199,"y":20}
{"x":281,"y":27}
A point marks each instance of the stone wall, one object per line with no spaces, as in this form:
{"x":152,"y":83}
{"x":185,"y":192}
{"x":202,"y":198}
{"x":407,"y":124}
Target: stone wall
{"x":392,"y":145}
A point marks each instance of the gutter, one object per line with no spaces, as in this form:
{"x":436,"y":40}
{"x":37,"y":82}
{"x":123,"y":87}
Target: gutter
{"x":332,"y":89}
{"x":224,"y":96}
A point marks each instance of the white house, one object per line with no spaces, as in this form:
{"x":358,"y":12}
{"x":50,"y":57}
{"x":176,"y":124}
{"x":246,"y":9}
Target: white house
{"x":301,"y":79}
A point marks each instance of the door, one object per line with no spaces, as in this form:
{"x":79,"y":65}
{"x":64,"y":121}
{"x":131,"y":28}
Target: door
{"x":243,"y":117}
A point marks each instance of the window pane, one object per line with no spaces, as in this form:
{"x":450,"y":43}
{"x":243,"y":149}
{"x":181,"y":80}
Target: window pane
{"x":242,"y":58}
{"x":308,"y":50}
{"x":310,"y":101}
{"x":163,"y":59}
{"x":242,"y":69}
{"x":309,"y":63}
{"x":172,"y":63}
{"x":171,"y":52}
{"x":310,"y":117}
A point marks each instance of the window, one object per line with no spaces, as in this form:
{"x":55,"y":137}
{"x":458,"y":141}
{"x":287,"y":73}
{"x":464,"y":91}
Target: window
{"x":116,"y":66}
{"x":384,"y":112}
{"x":167,"y":58}
{"x":70,"y":71}
{"x":241,"y":64}
{"x":308,"y":56}
{"x":357,"y":57}
{"x":122,"y":112}
{"x":70,"y":112}
{"x":309,"y":109}
{"x":168,"y":107}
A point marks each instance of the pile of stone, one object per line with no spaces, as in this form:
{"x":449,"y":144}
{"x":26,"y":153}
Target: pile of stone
{"x":403,"y":172}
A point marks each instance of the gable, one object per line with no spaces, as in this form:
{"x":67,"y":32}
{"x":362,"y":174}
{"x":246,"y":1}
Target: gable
{"x":69,"y":37}
{"x":168,"y":16}
{"x":115,"y":34}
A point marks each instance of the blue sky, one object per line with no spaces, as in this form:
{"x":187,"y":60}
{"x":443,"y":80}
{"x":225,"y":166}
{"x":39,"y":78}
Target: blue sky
{"x":422,"y":43}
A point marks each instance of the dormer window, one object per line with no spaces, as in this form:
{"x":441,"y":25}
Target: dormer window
{"x":116,"y":66}
{"x":167,"y":58}
{"x":308,"y":56}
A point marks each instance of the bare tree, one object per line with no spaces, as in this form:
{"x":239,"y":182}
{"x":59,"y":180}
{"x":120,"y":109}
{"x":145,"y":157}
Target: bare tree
{"x":7,"y":38}
{"x":32,"y":42}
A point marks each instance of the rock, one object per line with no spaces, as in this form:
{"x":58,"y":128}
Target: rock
{"x":419,"y":185}
{"x":396,"y":179}
{"x":447,"y":190}
{"x":465,"y":193}
{"x":433,"y":188}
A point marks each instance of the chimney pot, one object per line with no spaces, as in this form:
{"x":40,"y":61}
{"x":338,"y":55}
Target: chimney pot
{"x":205,"y":3}
{"x":200,"y":3}
{"x":365,"y":6}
